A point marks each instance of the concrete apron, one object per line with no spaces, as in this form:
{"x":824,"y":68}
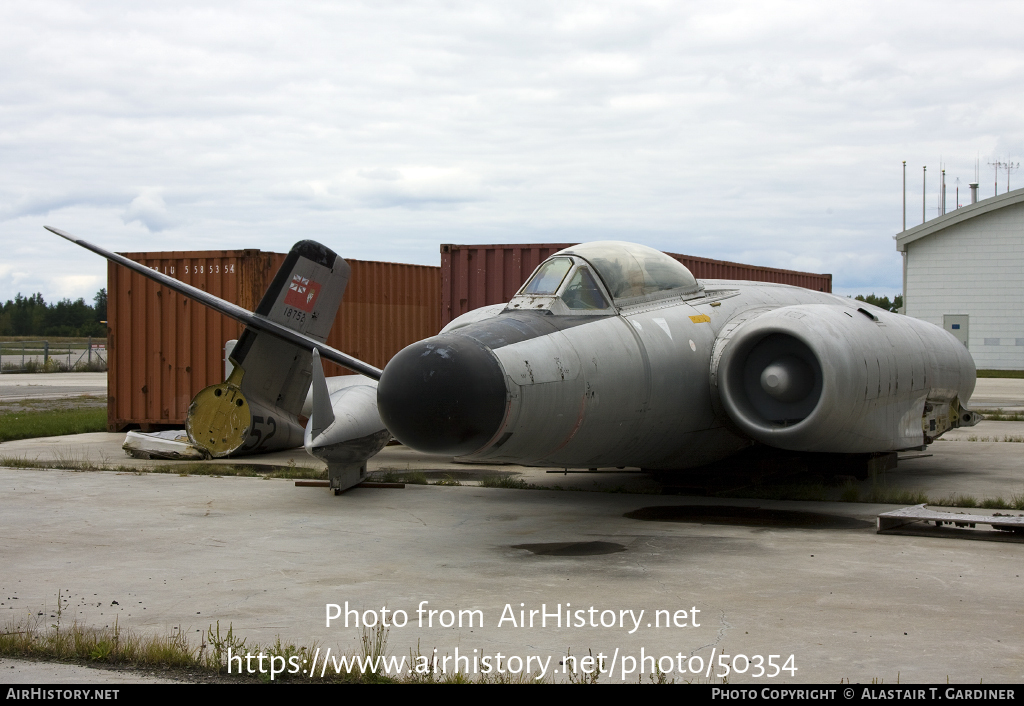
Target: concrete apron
{"x":266,"y":558}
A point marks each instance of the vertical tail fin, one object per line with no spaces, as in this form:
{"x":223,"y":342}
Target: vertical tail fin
{"x":257,"y":408}
{"x":304,"y":296}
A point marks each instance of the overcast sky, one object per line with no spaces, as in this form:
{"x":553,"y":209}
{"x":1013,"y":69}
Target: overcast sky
{"x":769,"y":133}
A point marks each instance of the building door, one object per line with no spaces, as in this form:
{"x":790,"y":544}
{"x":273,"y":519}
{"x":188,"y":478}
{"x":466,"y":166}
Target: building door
{"x":958,"y":325}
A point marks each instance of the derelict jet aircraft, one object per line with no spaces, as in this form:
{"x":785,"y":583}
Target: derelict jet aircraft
{"x":611,"y":354}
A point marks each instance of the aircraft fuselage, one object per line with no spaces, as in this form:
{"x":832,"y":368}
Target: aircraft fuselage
{"x":677,"y":382}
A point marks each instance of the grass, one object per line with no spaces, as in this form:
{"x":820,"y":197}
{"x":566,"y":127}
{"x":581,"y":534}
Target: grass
{"x":849,"y":492}
{"x":877,"y":491}
{"x":242,"y":470}
{"x":55,"y":365}
{"x":420,"y":478}
{"x":118,"y":647}
{"x":1001,"y":374}
{"x":999,"y":415}
{"x":50,"y":405}
{"x":64,"y":341}
{"x":509,"y":482}
{"x":394,"y":476}
{"x":1007,"y":438}
{"x":110,"y":645}
{"x":71,"y":462}
{"x":34,"y":424}
{"x":883,"y":494}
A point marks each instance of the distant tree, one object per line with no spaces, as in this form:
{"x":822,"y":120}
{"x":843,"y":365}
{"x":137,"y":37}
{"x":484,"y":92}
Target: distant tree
{"x":100,"y":304}
{"x":882,"y":302}
{"x":26,"y":314}
{"x":32,"y":316}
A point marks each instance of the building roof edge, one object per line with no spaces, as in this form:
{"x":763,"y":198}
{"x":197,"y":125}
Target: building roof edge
{"x":959,"y":215}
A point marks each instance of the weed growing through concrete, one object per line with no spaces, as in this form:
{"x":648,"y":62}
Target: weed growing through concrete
{"x":880,"y":493}
{"x":221,"y":646}
{"x":70,"y":461}
{"x":999,"y":415}
{"x":508,"y":482}
{"x":374,"y":646}
{"x":118,"y":647}
{"x":956,"y":500}
{"x":392,"y":475}
{"x":109,"y":645}
{"x":895,"y":496}
{"x":1007,"y":438}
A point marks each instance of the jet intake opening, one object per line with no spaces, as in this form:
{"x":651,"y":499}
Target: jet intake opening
{"x":770,"y":381}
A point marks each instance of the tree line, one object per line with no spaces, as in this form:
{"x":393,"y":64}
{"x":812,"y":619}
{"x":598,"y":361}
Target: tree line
{"x":895,"y":305}
{"x":33,"y":316}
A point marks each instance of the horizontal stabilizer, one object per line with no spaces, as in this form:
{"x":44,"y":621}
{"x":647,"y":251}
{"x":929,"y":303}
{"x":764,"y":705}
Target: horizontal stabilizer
{"x":305,"y":337}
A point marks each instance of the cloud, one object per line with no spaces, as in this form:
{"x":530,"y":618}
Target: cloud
{"x":149,"y":210}
{"x":414,"y":187}
{"x":41,"y":203}
{"x":726,"y":130}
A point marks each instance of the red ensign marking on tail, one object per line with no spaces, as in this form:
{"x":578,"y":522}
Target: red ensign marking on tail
{"x":302,"y":293}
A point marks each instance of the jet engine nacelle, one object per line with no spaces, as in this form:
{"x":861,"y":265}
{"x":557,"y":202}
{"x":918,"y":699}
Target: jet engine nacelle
{"x":838,"y":379}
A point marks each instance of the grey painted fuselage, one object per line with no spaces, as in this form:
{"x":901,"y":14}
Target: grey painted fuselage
{"x":640,"y":389}
{"x":673,"y":379}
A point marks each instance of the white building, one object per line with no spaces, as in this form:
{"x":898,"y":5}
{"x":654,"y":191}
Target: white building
{"x":964,"y":271}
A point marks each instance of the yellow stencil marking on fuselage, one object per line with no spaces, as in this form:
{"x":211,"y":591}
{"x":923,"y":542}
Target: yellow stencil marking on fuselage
{"x":700,"y":319}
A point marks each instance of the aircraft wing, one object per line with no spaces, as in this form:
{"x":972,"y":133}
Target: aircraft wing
{"x":262,"y":321}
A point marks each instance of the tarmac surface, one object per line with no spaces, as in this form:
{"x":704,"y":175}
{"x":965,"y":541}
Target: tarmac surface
{"x":51,"y":386}
{"x":998,"y":393}
{"x":162,"y":553}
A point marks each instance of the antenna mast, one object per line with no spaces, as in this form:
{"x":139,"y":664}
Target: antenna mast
{"x":1010,"y":167}
{"x":996,"y":182}
{"x":942,"y":194}
{"x":924,"y":193}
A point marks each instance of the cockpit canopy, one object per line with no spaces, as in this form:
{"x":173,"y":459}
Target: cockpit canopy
{"x":563,"y":285}
{"x":587,"y":278}
{"x":632,"y":271}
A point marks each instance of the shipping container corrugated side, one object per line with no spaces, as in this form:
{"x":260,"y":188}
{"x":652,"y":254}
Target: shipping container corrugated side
{"x":473,"y":276}
{"x":164,"y":348}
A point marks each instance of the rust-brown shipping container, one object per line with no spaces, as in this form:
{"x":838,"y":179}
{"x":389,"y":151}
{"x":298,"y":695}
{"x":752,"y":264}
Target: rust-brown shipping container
{"x":473,"y":276}
{"x":164,"y":348}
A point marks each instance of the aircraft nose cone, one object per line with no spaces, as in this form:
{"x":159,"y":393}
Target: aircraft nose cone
{"x":443,"y":395}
